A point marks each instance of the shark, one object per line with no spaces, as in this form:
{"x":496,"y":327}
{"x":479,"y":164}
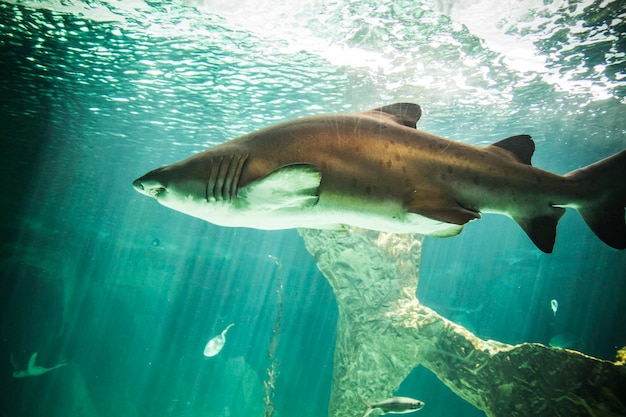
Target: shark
{"x":395,"y":405}
{"x":376,"y":170}
{"x":32,"y":369}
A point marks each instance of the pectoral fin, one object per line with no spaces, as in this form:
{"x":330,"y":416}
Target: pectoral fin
{"x":292,"y":186}
{"x":452,"y":230}
{"x":440,"y":207}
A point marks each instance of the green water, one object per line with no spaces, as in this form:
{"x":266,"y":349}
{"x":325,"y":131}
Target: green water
{"x":93,"y":95}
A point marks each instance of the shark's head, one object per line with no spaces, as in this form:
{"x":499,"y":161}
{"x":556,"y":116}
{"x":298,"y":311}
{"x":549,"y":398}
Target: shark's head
{"x":182,"y":187}
{"x":417,"y":405}
{"x":203,"y":186}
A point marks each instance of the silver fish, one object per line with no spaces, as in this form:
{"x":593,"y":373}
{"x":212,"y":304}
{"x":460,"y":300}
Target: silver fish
{"x":395,"y":405}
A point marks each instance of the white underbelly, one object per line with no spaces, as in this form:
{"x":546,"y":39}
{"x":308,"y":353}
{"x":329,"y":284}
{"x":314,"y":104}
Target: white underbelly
{"x":384,"y":217}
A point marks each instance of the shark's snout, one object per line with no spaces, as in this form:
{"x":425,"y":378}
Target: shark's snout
{"x":137,"y":184}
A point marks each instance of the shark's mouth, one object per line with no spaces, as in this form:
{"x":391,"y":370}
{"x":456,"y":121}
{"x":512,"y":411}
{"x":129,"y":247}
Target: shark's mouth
{"x":151,"y":191}
{"x":156,"y":192}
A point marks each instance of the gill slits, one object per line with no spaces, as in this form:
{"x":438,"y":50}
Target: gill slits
{"x":224,"y":174}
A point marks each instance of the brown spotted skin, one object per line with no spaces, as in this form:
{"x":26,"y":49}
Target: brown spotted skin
{"x":379,"y":172}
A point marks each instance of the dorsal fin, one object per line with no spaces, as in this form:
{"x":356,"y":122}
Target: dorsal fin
{"x":521,"y":146}
{"x":31,"y":362}
{"x":406,"y":114}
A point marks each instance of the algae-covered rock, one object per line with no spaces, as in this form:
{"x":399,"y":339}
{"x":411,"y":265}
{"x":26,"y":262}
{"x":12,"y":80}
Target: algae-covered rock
{"x":384,"y":332}
{"x":620,"y":357}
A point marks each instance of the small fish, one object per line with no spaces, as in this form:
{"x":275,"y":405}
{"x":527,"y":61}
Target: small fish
{"x":395,"y":405}
{"x":554,"y":305}
{"x":215,"y":345}
{"x":32,"y":369}
{"x":563,"y":340}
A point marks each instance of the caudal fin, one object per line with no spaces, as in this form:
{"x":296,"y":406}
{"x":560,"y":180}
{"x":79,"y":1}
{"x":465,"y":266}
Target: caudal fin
{"x":604,"y":212}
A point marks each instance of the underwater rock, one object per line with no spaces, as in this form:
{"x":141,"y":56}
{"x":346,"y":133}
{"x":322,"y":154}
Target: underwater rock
{"x":620,"y":356}
{"x":74,"y":398}
{"x":383,"y":332}
{"x":240,"y":391}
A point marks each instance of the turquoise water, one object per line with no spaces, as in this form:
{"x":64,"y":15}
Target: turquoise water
{"x":93,"y":95}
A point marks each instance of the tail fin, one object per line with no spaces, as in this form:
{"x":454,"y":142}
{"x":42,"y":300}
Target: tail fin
{"x":604,"y":213}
